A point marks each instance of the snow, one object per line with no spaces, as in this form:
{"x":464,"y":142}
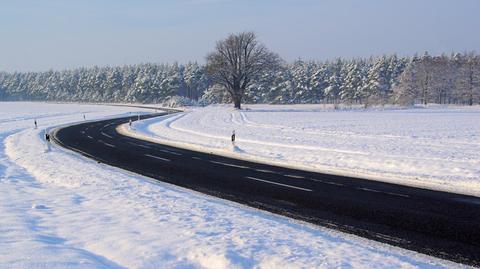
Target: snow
{"x":435,"y":147}
{"x":61,"y":210}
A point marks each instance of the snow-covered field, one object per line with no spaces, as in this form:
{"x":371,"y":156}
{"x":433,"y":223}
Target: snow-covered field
{"x":437,"y":148}
{"x":61,"y":210}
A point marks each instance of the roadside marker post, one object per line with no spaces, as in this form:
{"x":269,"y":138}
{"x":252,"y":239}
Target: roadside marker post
{"x":233,"y":137}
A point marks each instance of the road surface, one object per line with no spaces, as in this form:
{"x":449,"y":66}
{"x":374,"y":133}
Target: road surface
{"x":436,"y":223}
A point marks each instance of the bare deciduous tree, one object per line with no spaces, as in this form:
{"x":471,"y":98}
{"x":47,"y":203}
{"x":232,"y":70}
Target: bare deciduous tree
{"x":238,"y":61}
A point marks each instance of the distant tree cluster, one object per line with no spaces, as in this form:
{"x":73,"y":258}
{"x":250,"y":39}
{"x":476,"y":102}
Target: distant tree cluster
{"x":357,"y":81}
{"x":442,"y":80}
{"x":144,"y":83}
{"x":387,"y":79}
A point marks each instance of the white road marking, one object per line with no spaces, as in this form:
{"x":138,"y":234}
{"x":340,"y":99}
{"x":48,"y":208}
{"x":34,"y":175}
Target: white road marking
{"x":316,"y":180}
{"x":367,"y":189}
{"x":265,"y":171}
{"x":104,"y":134}
{"x":229,"y":164}
{"x":294,"y":176}
{"x":156,"y":157}
{"x":170,"y":152}
{"x":398,"y":194}
{"x":143,"y":146}
{"x":276,"y":183}
{"x":196,"y":158}
{"x":389,"y":193}
{"x":89,"y":137}
{"x":110,"y":145}
{"x":333,"y":183}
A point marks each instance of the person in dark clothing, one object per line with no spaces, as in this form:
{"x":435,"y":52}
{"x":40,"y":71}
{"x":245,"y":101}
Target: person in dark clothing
{"x":35,"y":122}
{"x":47,"y":137}
{"x":233,"y":137}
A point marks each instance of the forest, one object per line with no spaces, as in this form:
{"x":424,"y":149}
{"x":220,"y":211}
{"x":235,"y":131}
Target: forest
{"x":389,"y":79}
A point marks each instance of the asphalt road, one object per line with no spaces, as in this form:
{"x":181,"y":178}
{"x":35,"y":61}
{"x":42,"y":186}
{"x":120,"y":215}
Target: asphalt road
{"x":440,"y":224}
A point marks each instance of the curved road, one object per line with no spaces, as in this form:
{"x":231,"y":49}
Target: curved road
{"x":436,"y":223}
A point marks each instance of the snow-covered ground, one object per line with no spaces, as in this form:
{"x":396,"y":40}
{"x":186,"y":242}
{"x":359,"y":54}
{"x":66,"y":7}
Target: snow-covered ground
{"x":61,"y":210}
{"x":437,"y":148}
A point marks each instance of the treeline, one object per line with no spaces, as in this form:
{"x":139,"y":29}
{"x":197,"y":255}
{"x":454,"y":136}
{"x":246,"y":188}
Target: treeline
{"x":388,"y":79}
{"x":144,"y":83}
{"x":443,"y":79}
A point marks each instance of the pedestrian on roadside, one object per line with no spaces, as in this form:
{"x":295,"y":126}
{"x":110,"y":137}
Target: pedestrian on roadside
{"x":35,"y":122}
{"x":233,"y":137}
{"x":130,"y":123}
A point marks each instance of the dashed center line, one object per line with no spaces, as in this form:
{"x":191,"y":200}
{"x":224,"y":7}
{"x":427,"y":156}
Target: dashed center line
{"x":333,"y":183}
{"x":367,"y":189}
{"x":110,"y":145}
{"x":389,"y":193}
{"x":229,"y":164}
{"x":156,"y":157}
{"x":265,"y":171}
{"x":104,"y":134}
{"x":245,"y":167}
{"x":295,"y":176}
{"x":279,"y":184}
{"x":398,"y":194}
{"x":170,"y":152}
{"x":143,"y":146}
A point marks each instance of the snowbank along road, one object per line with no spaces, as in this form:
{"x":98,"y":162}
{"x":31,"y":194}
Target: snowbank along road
{"x":437,"y":223}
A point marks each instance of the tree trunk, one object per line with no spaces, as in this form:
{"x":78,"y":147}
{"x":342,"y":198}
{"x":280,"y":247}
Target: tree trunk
{"x":470,"y":87}
{"x":237,"y":100}
{"x":425,"y":90}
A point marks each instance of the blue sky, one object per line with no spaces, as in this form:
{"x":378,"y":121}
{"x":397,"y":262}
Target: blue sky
{"x":58,"y":34}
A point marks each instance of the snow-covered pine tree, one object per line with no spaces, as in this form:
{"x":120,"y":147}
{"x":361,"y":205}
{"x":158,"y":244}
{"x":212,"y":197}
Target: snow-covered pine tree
{"x":353,"y":81}
{"x":319,"y":82}
{"x":334,"y":81}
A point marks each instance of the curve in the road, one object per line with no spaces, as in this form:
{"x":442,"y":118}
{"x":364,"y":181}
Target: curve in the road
{"x":436,"y":223}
